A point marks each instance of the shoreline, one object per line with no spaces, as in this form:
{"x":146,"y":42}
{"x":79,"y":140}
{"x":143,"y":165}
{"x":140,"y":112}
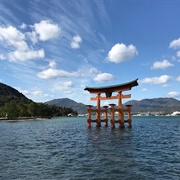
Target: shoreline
{"x":22,"y":119}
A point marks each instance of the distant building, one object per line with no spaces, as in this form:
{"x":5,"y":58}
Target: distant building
{"x":175,"y":113}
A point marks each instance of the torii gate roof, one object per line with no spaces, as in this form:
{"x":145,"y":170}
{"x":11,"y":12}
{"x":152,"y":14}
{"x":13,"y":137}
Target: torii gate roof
{"x":114,"y":88}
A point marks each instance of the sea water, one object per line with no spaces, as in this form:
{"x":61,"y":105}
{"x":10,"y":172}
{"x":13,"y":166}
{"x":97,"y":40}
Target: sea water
{"x":64,"y":148}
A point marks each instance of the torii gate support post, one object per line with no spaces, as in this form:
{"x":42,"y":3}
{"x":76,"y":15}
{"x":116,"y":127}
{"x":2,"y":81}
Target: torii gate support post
{"x":105,"y":115}
{"x":112,"y":115}
{"x":120,"y":112}
{"x":89,"y":115}
{"x":98,"y":109}
{"x":129,"y":115}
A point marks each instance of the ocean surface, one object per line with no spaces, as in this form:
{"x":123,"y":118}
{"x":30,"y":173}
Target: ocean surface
{"x":64,"y":148}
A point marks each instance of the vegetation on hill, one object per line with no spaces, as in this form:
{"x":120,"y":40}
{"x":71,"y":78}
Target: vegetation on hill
{"x":167,"y":105}
{"x":14,"y":104}
{"x":68,"y":103}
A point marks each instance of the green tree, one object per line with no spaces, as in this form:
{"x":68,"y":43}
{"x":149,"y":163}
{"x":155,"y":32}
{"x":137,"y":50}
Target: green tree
{"x":23,"y":110}
{"x":11,"y":111}
{"x":33,"y":109}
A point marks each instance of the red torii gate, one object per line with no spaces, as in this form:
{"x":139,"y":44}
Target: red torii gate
{"x":108,"y":90}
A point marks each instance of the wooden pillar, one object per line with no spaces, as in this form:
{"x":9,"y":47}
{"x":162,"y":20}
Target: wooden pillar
{"x":98,"y":109}
{"x":129,"y":115}
{"x":89,"y":115}
{"x":112,"y":115}
{"x":120,"y":112}
{"x":106,"y":115}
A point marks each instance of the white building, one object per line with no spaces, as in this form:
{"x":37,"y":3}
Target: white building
{"x":175,"y":113}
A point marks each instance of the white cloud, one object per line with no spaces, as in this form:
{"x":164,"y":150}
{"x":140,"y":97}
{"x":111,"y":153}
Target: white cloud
{"x":144,"y":90}
{"x":23,"y":26}
{"x":67,"y":84}
{"x":162,"y":64}
{"x":94,"y":71}
{"x":52,"y":64}
{"x":26,"y":55}
{"x":33,"y":36}
{"x":47,"y":30}
{"x":178,"y":54}
{"x":99,"y":76}
{"x":54,"y":73}
{"x":120,"y":53}
{"x":175,"y":44}
{"x":63,"y":87}
{"x":166,"y":85}
{"x":2,"y":57}
{"x":34,"y":93}
{"x":12,"y":36}
{"x":173,"y":94}
{"x":178,"y":78}
{"x":156,"y":80}
{"x":103,"y":77}
{"x":76,"y":42}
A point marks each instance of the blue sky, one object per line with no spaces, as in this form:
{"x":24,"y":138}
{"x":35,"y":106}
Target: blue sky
{"x":54,"y":48}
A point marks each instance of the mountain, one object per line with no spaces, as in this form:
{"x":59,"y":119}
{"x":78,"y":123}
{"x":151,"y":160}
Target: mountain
{"x":167,"y":105}
{"x":9,"y":94}
{"x":155,"y":105}
{"x":15,"y":105}
{"x":68,"y":103}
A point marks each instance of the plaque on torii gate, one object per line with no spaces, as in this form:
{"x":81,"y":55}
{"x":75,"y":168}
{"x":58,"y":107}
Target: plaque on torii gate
{"x":108,"y":91}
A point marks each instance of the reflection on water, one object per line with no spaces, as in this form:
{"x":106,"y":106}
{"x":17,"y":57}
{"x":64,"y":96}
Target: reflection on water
{"x":64,"y":148}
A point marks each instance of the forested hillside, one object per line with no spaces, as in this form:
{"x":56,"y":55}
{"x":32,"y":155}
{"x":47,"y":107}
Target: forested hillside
{"x":167,"y":105}
{"x":68,"y":103}
{"x":14,"y":104}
